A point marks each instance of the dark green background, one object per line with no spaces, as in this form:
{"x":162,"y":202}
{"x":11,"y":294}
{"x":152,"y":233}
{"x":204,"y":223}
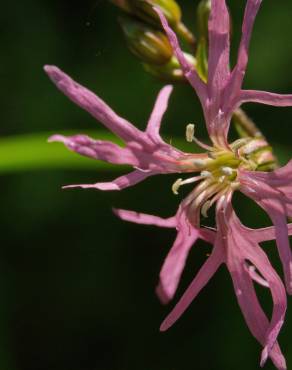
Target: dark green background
{"x":76,"y":283}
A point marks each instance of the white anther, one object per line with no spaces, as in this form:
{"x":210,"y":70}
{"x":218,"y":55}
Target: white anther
{"x":205,"y":208}
{"x":176,"y":186}
{"x":190,"y":132}
{"x":221,"y":179}
{"x":206,"y":174}
{"x":228,"y":171}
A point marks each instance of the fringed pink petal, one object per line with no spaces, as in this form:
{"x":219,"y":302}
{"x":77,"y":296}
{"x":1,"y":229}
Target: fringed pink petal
{"x":219,"y":48}
{"x":257,"y":187}
{"x":261,"y":262}
{"x":120,"y":183}
{"x":157,"y":114}
{"x":264,"y":97}
{"x":268,"y":233}
{"x":241,"y":249}
{"x":239,"y":70}
{"x":280,"y":178}
{"x":203,"y":276}
{"x":276,"y":211}
{"x":97,"y":149}
{"x":254,"y":315}
{"x":95,"y":106}
{"x":175,"y":261}
{"x":188,"y":70}
{"x":145,"y":219}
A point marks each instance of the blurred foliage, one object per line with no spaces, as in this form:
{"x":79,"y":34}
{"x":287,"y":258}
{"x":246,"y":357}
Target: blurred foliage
{"x":77,"y":284}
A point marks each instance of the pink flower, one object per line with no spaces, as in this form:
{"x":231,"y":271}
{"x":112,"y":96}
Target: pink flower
{"x":222,"y":170}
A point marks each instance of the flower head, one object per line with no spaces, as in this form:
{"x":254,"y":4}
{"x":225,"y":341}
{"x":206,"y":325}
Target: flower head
{"x":217,"y":173}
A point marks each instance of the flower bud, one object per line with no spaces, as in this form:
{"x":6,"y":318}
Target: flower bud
{"x":147,"y":43}
{"x":203,"y":13}
{"x":122,"y":4}
{"x":144,"y":10}
{"x":171,"y":71}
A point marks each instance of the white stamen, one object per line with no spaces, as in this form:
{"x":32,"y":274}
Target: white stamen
{"x":206,"y":174}
{"x":228,"y":171}
{"x":190,"y":132}
{"x":190,"y":137}
{"x":176,"y":185}
{"x":205,"y":208}
{"x":221,"y":179}
{"x":191,"y":180}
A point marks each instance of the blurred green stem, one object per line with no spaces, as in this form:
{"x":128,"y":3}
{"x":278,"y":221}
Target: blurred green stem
{"x":33,"y":152}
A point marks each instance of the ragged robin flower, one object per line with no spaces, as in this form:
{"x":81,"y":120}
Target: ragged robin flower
{"x":217,"y":173}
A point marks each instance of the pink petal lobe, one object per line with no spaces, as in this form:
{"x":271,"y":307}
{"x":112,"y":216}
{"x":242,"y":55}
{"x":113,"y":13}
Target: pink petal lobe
{"x":174,"y":263}
{"x":239,"y":70}
{"x":97,"y":149}
{"x":188,"y":70}
{"x":145,"y":219}
{"x":94,"y":105}
{"x":265,"y":97}
{"x":241,"y":248}
{"x":159,"y":109}
{"x":268,"y":233}
{"x":218,"y":61}
{"x":262,"y":188}
{"x":120,"y":183}
{"x":203,"y":276}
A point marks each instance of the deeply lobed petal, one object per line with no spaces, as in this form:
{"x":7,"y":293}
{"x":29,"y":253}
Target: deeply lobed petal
{"x":265,"y":97}
{"x":273,"y":192}
{"x":238,"y":73}
{"x":174,"y":263}
{"x":188,"y":70}
{"x":119,"y":183}
{"x":202,"y":278}
{"x":98,"y":149}
{"x":240,"y":247}
{"x":145,"y":151}
{"x":154,"y":123}
{"x":95,"y":106}
{"x":218,"y":60}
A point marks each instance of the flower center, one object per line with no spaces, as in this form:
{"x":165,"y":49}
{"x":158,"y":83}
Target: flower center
{"x":218,"y":170}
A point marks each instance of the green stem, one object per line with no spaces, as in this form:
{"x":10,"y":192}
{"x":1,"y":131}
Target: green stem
{"x":33,"y":152}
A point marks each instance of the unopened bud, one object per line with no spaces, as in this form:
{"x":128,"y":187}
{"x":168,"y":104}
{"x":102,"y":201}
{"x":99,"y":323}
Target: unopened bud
{"x":148,"y":44}
{"x":171,"y":71}
{"x":144,"y":10}
{"x":203,"y":13}
{"x":122,"y":4}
